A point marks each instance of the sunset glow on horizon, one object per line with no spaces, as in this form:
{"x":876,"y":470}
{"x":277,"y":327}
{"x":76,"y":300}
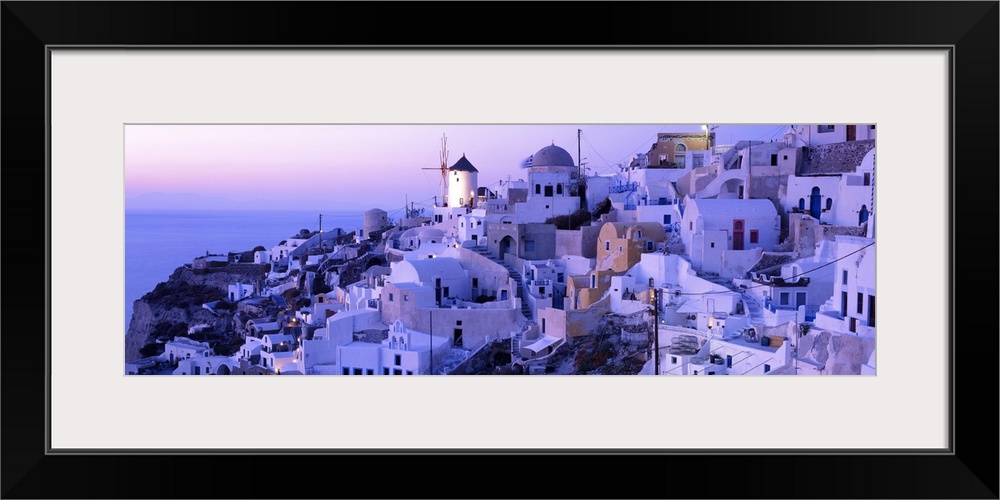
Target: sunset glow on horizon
{"x":342,"y":167}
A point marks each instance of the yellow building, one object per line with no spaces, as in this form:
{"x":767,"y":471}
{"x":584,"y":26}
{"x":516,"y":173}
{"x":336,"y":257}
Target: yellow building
{"x":620,"y":245}
{"x":671,"y":147}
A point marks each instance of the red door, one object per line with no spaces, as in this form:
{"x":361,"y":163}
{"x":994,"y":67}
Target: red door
{"x":852,"y":132}
{"x":737,"y":234}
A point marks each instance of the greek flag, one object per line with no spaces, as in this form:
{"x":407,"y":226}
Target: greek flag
{"x":527,"y":163}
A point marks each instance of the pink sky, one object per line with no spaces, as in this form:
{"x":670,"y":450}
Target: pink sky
{"x":346,"y":167}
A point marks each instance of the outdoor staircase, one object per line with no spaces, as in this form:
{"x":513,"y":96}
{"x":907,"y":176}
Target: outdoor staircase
{"x":516,"y":276}
{"x":753,"y":309}
{"x":515,"y":346}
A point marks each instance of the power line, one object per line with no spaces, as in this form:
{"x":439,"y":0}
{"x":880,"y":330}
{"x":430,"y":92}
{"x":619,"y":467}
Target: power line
{"x":592,"y":148}
{"x":788,"y":278}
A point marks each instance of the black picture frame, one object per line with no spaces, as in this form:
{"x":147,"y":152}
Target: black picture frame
{"x":967,"y":470}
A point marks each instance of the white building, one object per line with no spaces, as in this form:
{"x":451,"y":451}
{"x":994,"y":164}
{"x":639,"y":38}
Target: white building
{"x":403,"y":352}
{"x":206,"y":365}
{"x":463,"y":181}
{"x":552,"y":186}
{"x":278,"y":350}
{"x":184,"y":348}
{"x":261,"y":257}
{"x":852,"y":306}
{"x":240,"y":291}
{"x":840,"y":200}
{"x":794,"y":289}
{"x":472,"y":228}
{"x":818,"y":135}
{"x":719,"y":235}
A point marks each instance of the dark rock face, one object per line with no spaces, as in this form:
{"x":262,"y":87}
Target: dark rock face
{"x":180,"y":299}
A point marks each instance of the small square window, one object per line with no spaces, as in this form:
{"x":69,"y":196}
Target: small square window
{"x":369,"y":371}
{"x":784,"y":298}
{"x":385,"y":371}
{"x":409,"y":372}
{"x":406,"y":298}
{"x":712,"y":244}
{"x":844,"y":279}
{"x":357,"y":371}
{"x":347,"y":371}
{"x":390,"y":297}
{"x":458,"y":322}
{"x":398,"y":360}
{"x":824,"y":128}
{"x":397,"y":371}
{"x":767,"y":368}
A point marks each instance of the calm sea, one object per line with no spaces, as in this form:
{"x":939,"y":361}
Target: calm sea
{"x":156,"y":243}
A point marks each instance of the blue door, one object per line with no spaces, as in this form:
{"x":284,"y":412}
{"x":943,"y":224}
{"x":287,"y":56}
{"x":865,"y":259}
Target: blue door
{"x":814,"y":203}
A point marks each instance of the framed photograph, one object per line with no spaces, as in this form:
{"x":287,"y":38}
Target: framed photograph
{"x":107,"y":105}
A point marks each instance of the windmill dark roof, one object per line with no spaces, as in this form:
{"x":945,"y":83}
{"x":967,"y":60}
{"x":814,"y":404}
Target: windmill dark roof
{"x":463,"y":165}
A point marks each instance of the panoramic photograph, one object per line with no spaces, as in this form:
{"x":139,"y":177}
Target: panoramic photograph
{"x":535,"y":249}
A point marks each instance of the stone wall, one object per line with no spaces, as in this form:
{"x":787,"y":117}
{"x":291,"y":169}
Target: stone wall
{"x":836,"y":158}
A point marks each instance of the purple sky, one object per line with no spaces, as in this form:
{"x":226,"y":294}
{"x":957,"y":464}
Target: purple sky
{"x":348,"y":167}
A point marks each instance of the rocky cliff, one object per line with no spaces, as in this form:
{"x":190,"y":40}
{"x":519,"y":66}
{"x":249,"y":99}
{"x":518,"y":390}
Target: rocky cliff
{"x":175,"y":305}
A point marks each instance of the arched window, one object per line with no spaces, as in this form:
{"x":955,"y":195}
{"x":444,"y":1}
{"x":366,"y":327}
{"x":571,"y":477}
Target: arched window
{"x":802,"y":204}
{"x":863,"y":215}
{"x":679,"y":157}
{"x":829,"y":203}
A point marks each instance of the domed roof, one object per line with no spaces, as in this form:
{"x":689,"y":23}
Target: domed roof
{"x":552,"y":156}
{"x":463,"y":165}
{"x":375,"y":211}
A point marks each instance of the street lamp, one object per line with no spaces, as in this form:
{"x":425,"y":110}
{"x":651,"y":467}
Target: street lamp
{"x":707,"y":129}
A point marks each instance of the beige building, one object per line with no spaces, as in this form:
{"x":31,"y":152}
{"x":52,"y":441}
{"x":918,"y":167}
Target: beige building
{"x":671,"y":148}
{"x":620,"y":245}
{"x":583,"y":290}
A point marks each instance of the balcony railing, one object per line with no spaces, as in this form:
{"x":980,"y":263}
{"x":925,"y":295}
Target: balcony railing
{"x":623,"y":188}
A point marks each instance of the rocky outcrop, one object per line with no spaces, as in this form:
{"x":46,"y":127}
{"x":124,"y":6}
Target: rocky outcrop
{"x":146,"y":316}
{"x":840,"y":354}
{"x":176,"y":304}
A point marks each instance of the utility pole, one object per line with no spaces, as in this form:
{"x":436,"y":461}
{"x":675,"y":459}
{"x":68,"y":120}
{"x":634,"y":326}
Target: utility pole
{"x":656,"y":328}
{"x":655,"y":299}
{"x":579,"y":160}
{"x":430,"y":314}
{"x":321,"y":248}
